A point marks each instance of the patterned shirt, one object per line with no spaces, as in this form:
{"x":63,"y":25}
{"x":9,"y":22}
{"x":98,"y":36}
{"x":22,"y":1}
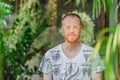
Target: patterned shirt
{"x":57,"y":64}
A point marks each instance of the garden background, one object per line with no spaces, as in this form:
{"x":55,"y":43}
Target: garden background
{"x":28,"y":28}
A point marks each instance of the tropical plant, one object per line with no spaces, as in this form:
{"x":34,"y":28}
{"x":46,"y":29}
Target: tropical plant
{"x":5,"y":11}
{"x":112,"y":40}
{"x":28,"y":25}
{"x":111,"y":51}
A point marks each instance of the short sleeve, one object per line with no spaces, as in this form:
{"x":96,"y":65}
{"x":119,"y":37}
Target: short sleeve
{"x":97,"y":64}
{"x":46,"y":65}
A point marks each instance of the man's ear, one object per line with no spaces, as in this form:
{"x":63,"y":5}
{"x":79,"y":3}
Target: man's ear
{"x":80,"y":29}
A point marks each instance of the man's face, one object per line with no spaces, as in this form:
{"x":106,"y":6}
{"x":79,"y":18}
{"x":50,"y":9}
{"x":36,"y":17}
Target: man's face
{"x":71,"y":29}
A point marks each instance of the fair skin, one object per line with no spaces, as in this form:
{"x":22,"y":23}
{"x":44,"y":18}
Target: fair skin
{"x":72,"y":46}
{"x":47,"y":77}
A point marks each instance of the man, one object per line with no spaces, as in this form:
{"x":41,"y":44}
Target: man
{"x":71,"y":60}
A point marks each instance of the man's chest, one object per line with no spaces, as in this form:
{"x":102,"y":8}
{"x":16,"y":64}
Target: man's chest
{"x":68,"y":70}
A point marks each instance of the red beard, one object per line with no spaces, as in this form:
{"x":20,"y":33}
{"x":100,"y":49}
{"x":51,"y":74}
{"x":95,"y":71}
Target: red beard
{"x":71,"y":38}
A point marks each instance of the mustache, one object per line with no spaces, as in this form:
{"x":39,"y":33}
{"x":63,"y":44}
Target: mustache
{"x":72,"y":34}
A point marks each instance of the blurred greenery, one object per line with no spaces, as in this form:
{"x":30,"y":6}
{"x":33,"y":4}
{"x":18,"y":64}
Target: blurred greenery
{"x":1,"y":57}
{"x":28,"y":25}
{"x":109,"y":47}
{"x":34,"y":32}
{"x":5,"y":11}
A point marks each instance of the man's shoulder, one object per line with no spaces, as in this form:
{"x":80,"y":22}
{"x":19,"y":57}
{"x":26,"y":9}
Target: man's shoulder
{"x":90,"y":51}
{"x":87,"y":47}
{"x":54,"y":49}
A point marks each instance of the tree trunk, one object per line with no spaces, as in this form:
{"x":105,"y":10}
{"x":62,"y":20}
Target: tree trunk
{"x":119,"y":12}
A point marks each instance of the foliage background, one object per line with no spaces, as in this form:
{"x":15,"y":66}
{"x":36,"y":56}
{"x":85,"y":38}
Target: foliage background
{"x":37,"y":28}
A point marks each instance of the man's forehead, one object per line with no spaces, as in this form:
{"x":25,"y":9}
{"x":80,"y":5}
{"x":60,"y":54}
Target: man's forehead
{"x":70,"y":19}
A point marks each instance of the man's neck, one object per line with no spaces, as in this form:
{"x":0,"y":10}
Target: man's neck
{"x":71,"y":49}
{"x":71,"y":46}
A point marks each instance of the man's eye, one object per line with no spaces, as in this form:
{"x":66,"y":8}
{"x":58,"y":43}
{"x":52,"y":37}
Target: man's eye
{"x":75,"y":27}
{"x":67,"y":27}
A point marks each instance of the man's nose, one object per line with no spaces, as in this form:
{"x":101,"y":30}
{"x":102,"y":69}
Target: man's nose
{"x":71,"y":29}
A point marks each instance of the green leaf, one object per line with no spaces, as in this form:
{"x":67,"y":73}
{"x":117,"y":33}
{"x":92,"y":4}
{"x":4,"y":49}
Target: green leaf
{"x":104,"y":5}
{"x":68,"y":1}
{"x":12,"y":0}
{"x":118,"y":36}
{"x":108,"y":64}
{"x":96,"y":8}
{"x":108,"y":48}
{"x":110,"y":2}
{"x":99,"y":7}
{"x":1,"y":41}
{"x":83,"y":3}
{"x":4,"y":22}
{"x":18,"y":70}
{"x":8,"y":33}
{"x":115,"y":39}
{"x":77,"y":2}
{"x":93,"y":9}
